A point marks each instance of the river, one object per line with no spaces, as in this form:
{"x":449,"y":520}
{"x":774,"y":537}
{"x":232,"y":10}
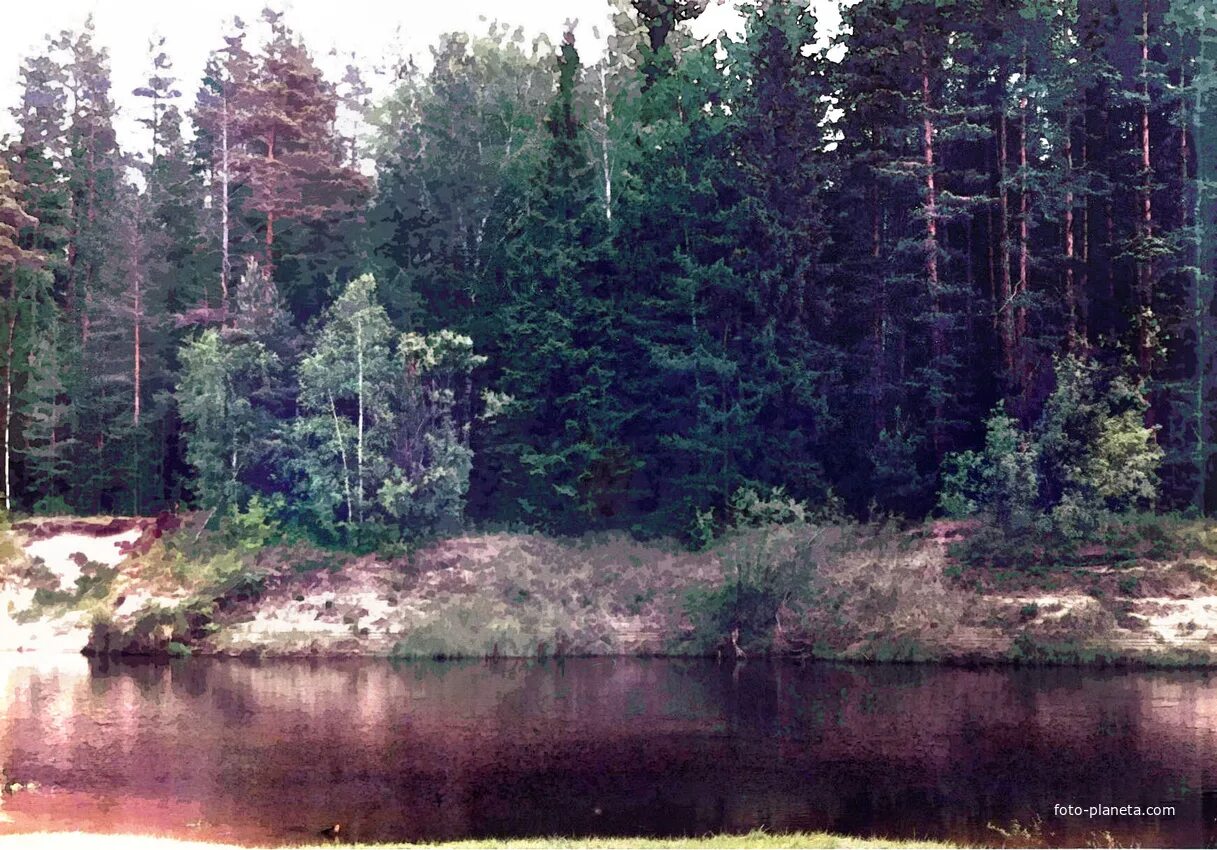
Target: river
{"x":275,"y":752}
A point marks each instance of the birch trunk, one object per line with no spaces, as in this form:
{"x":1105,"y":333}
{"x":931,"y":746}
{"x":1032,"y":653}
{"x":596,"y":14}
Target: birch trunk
{"x":225,"y":261}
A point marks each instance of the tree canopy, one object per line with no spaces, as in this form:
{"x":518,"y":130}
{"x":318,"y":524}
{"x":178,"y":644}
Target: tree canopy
{"x":902,"y":271}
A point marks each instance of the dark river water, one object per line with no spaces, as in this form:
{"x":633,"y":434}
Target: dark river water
{"x":274,"y":752}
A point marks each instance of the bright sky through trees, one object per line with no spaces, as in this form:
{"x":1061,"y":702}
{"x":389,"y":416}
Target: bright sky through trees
{"x":373,"y":29}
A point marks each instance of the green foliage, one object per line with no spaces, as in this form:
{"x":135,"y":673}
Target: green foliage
{"x":51,"y":506}
{"x":176,"y":649}
{"x":693,"y":266}
{"x":257,"y":526}
{"x":899,"y":484}
{"x":93,"y":584}
{"x":230,"y":430}
{"x":156,"y":630}
{"x":10,"y":553}
{"x":767,"y":560}
{"x":475,"y":629}
{"x":1032,"y":650}
{"x":703,"y":529}
{"x":1096,"y":454}
{"x":962,"y":478}
{"x":1003,"y":479}
{"x":900,"y":650}
{"x":1088,"y":458}
{"x":381,"y":445}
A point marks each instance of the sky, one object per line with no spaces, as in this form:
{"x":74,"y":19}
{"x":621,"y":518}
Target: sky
{"x":373,"y":29}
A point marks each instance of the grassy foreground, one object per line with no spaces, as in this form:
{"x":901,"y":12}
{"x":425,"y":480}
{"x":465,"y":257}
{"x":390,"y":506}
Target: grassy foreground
{"x":752,"y":839}
{"x":90,"y":841}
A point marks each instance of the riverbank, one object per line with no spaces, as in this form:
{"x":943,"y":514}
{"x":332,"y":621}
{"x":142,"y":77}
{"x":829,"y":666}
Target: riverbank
{"x":757,"y":839}
{"x":167,"y":586}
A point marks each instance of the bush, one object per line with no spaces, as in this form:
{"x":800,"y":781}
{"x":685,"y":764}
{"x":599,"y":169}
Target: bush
{"x":1087,"y":459}
{"x":51,"y":506}
{"x":93,"y":583}
{"x":766,"y":559}
{"x":256,"y":527}
{"x":899,"y":484}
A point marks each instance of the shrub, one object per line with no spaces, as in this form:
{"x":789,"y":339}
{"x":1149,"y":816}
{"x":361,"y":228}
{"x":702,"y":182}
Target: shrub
{"x":256,"y":527}
{"x":11,"y":556}
{"x":899,"y":483}
{"x":1088,"y":458}
{"x":51,"y":506}
{"x":766,"y":559}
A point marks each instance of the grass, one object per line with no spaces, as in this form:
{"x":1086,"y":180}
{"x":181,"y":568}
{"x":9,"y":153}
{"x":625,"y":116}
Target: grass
{"x":753,"y":839}
{"x":757,"y":838}
{"x":879,"y":592}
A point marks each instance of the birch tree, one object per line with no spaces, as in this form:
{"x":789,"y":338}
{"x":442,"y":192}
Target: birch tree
{"x":345,"y":392}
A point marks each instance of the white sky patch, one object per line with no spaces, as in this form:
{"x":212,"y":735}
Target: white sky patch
{"x":375,"y":30}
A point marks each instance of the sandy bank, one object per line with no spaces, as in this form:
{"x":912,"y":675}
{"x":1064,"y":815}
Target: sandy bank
{"x":872,"y":595}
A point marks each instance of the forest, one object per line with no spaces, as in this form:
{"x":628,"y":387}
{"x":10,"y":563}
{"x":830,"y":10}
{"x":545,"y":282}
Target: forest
{"x":949,"y":261}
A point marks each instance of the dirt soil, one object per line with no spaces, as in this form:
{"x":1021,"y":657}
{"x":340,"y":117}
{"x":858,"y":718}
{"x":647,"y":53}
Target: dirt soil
{"x":498,"y":594}
{"x":62,"y":547}
{"x":884,"y":595}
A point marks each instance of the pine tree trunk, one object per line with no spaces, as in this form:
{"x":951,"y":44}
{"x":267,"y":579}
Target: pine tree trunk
{"x":990,"y":257}
{"x":1202,"y":288}
{"x":1020,"y":320}
{"x":879,"y":332}
{"x":1004,"y":291}
{"x":937,"y":345}
{"x":1109,"y":224}
{"x":1145,"y":271}
{"x":90,"y":217}
{"x":8,"y":397}
{"x":136,"y":370}
{"x":1084,"y":268}
{"x":1071,"y":299}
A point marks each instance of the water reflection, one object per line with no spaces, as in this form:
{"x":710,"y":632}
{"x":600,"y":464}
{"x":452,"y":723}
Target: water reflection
{"x":268,"y":752}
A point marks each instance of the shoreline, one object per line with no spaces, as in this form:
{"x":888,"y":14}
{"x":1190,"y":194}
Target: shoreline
{"x":161,"y":588}
{"x":754,"y":839}
{"x":1104,"y":659}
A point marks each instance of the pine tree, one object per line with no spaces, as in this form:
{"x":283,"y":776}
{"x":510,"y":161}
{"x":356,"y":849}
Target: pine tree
{"x":788,"y":359}
{"x":15,"y":261}
{"x":217,"y":121}
{"x":290,"y":160}
{"x":37,"y":159}
{"x":560,"y":456}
